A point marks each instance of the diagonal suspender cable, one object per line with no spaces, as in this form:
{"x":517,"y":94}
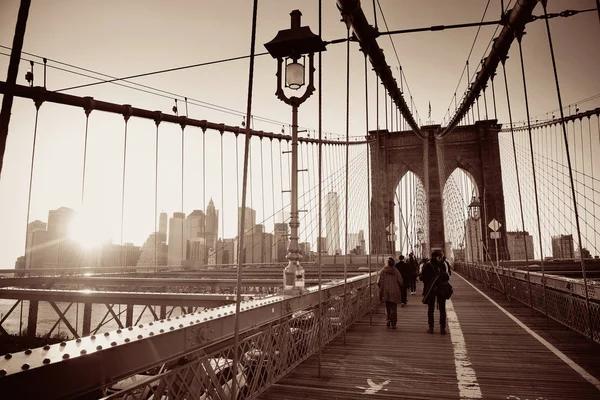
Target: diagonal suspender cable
{"x":535,"y":190}
{"x":346,"y":188}
{"x":126,"y":117}
{"x":242,"y":216}
{"x":37,"y":111}
{"x":564,"y":129}
{"x":157,"y":121}
{"x":368,"y":189}
{"x":183,"y":244}
{"x":518,"y":182}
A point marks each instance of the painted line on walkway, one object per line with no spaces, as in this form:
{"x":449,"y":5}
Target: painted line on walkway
{"x":468,"y":387}
{"x":586,"y":375}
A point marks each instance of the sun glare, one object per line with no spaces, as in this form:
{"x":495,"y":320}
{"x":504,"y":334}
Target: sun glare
{"x":89,"y":231}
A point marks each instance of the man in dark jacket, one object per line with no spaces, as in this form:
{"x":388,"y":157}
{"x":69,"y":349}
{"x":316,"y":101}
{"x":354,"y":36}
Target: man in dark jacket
{"x":432,"y":270}
{"x":404,"y":270}
{"x":414,"y":269}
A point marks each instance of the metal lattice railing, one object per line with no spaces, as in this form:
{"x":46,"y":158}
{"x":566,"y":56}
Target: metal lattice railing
{"x":561,"y":299}
{"x":264,"y":356}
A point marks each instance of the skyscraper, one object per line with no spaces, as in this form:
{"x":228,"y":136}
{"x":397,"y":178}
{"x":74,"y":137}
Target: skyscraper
{"x":34,"y":234}
{"x":176,"y":252}
{"x":281,"y":241}
{"x":212,"y":220}
{"x":60,"y":251}
{"x":562,"y":246}
{"x":516,"y":246}
{"x":332,"y":221}
{"x":249,"y":219}
{"x":162,"y":226}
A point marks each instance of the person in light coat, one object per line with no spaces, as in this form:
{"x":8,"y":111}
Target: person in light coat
{"x":389,"y":284}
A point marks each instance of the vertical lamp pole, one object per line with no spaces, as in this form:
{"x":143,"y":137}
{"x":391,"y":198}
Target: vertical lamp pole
{"x":420,"y":239}
{"x":292,"y":45}
{"x":475,"y":214}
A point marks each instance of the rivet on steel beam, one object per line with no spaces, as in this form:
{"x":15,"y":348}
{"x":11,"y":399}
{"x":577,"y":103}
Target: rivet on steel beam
{"x":7,"y":356}
{"x":205,"y":318}
{"x":141,"y":326}
{"x":63,"y":344}
{"x":46,"y":361}
{"x":168,"y":319}
{"x":162,"y":331}
{"x":218,"y":315}
{"x":127,"y":340}
{"x":181,"y":325}
{"x":176,"y":317}
{"x":113,"y":343}
{"x":191,"y":322}
{"x":150,"y":324}
{"x":151,"y":334}
{"x":25,"y":366}
{"x":65,"y":356}
{"x":106,"y":333}
{"x":27,"y":352}
{"x":78,"y":340}
{"x":2,"y":372}
{"x":119,"y":331}
{"x":93,"y":337}
{"x":82,"y":352}
{"x":171,"y":328}
{"x":98,"y":347}
{"x":46,"y":347}
{"x":139,"y":336}
{"x":130,"y":328}
{"x":210,"y":317}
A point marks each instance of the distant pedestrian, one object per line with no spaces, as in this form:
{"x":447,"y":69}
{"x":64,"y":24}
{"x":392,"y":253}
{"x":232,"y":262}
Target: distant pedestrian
{"x":389,"y":284}
{"x":433,"y":274}
{"x":406,"y":274}
{"x":414,"y":269}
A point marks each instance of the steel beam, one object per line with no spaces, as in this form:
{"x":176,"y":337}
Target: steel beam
{"x":367,"y":35}
{"x":41,"y":94}
{"x":132,"y":298}
{"x":65,"y":370}
{"x":514,"y":23}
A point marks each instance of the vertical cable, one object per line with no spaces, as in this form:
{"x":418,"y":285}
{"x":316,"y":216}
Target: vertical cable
{"x":222,"y":202}
{"x":485,"y":102}
{"x":157,"y":121}
{"x":205,"y":257}
{"x":320,"y":173}
{"x":368,"y":190}
{"x":347,"y":156}
{"x":512,"y":134}
{"x":494,"y":95}
{"x":535,"y":190}
{"x":562,"y":122}
{"x":37,"y":110}
{"x":183,"y":240}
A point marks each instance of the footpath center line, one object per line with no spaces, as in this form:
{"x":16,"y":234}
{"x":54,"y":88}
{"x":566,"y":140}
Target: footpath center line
{"x":576,"y":367}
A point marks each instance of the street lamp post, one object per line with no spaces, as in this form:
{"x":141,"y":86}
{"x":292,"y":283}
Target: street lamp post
{"x":292,"y":45}
{"x":475,"y":215}
{"x":420,"y":239}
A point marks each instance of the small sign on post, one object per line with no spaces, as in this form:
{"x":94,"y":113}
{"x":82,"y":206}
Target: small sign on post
{"x":494,"y":226}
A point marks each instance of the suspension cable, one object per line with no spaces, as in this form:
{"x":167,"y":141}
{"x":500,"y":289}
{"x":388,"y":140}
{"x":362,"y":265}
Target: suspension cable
{"x":157,"y":121}
{"x":535,"y":190}
{"x":518,"y":183}
{"x":583,"y":271}
{"x":37,"y":111}
{"x":244,"y":184}
{"x":320,"y":173}
{"x":126,"y":117}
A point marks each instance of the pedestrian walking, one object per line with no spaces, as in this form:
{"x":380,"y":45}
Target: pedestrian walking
{"x":406,"y":274}
{"x":414,"y":269}
{"x":389,"y":284}
{"x":434,"y":274}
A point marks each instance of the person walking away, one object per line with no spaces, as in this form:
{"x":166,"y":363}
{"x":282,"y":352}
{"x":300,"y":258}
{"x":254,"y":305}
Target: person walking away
{"x":432,"y":270}
{"x":389,"y":284}
{"x":414,"y":269}
{"x":405,"y":272}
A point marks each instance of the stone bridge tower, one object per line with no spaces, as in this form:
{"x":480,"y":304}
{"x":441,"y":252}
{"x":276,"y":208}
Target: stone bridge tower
{"x":474,"y":148}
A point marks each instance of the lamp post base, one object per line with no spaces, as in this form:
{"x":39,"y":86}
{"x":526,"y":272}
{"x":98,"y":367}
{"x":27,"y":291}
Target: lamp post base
{"x":293,"y":279}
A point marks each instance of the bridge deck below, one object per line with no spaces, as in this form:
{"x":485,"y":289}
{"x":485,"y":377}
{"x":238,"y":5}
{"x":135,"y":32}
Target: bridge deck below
{"x":485,"y":355}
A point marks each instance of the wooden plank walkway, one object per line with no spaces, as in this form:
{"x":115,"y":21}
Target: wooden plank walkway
{"x":407,"y":363}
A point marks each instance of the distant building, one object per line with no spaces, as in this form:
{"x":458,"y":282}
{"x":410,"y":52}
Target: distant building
{"x":196,"y":252}
{"x":176,"y":252}
{"x":114,"y":255}
{"x":212,"y":224}
{"x":562,"y":247}
{"x":60,"y":250}
{"x":257,"y":246}
{"x":33,"y":228}
{"x":249,"y":219}
{"x":226,"y":251}
{"x":322,"y":245}
{"x":281,"y":237}
{"x":162,"y":226}
{"x":332,"y":222}
{"x":516,"y":245}
{"x":147,"y":253}
{"x":305,"y":251}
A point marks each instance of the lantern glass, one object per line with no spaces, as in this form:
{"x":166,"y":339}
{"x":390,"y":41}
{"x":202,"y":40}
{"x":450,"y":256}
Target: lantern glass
{"x":294,"y":75}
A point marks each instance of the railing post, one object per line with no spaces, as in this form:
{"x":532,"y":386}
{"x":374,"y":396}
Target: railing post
{"x":87,"y":319}
{"x":32,"y":318}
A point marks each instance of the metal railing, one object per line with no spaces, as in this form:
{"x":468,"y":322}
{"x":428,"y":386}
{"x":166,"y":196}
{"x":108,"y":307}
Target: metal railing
{"x":193,"y":354}
{"x":561,"y":299}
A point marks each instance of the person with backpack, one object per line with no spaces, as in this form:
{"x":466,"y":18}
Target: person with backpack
{"x":436,"y":289}
{"x":389,"y":284}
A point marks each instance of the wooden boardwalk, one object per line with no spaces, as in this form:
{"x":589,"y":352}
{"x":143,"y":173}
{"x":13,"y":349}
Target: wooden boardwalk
{"x":486,"y":355}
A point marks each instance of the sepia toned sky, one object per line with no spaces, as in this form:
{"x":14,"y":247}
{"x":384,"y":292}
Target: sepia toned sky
{"x":125,"y":38}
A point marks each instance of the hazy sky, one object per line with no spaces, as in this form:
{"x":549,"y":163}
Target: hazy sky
{"x":123,"y":38}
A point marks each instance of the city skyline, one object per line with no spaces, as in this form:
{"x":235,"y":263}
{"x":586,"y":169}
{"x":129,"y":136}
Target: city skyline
{"x":220,"y":88}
